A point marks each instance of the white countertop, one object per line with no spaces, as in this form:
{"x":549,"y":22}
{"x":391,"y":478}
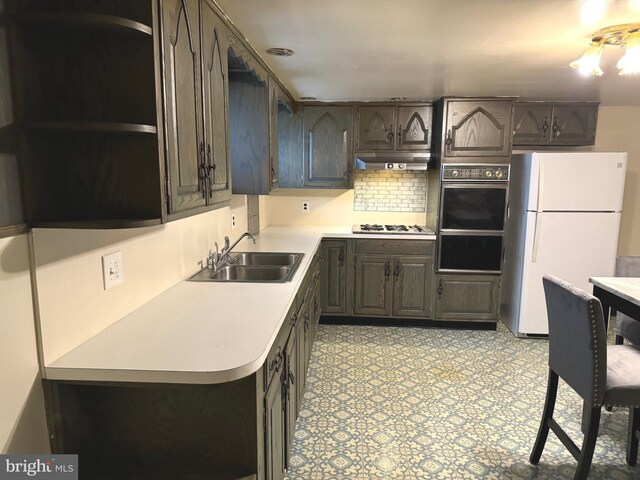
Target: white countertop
{"x":202,"y":332}
{"x":625,"y":287}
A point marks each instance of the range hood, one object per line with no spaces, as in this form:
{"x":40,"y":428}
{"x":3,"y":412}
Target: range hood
{"x":392,"y":160}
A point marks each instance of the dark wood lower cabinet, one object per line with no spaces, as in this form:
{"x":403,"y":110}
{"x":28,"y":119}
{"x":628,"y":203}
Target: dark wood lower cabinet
{"x":334,"y":275}
{"x":413,"y":286}
{"x":373,"y":286}
{"x":274,"y":432}
{"x":467,"y":297}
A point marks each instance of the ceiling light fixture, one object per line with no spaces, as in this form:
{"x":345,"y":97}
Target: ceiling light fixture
{"x":627,"y":36}
{"x":280,"y":52}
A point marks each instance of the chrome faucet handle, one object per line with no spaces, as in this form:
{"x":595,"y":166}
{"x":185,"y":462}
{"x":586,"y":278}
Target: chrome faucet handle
{"x":226,"y":244}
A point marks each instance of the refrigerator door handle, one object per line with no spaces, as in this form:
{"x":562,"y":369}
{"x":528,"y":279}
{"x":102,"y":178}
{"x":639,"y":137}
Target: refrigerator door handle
{"x":536,"y":237}
{"x":541,"y":186}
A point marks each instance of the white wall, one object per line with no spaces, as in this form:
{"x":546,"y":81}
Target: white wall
{"x":22,"y":419}
{"x":73,"y":304}
{"x":619,"y":130}
{"x":328,"y":207}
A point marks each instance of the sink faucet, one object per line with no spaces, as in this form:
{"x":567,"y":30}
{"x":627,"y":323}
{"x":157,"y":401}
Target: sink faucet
{"x":227,"y":249}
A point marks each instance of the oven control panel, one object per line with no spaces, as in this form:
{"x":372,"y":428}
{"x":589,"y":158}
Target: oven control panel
{"x":490,"y":173}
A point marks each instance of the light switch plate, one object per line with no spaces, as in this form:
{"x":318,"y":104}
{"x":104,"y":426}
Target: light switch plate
{"x":112,"y":273}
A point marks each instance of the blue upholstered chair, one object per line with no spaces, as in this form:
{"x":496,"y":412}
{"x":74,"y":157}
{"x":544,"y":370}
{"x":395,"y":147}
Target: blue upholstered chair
{"x":627,"y":328}
{"x":600,"y":374}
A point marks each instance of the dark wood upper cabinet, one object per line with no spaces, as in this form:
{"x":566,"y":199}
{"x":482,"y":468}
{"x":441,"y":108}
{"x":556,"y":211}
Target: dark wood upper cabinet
{"x":475,"y":128}
{"x":328,"y":146}
{"x":394,"y":127}
{"x":376,"y":128}
{"x":253,"y":117}
{"x":183,"y":102}
{"x":532,"y":123}
{"x":574,"y":124}
{"x":216,"y":105}
{"x":555,"y":123}
{"x":414,"y":127}
{"x":131,"y":126}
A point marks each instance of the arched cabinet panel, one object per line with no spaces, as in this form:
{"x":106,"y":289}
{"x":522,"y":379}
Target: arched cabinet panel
{"x":414,"y":127}
{"x":478,"y":128}
{"x":328,"y":147}
{"x":181,"y":40}
{"x":216,"y":105}
{"x":376,"y":128}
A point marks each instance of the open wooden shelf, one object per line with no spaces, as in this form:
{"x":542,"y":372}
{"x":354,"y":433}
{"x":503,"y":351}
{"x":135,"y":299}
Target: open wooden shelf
{"x":98,"y":127}
{"x":83,"y":20}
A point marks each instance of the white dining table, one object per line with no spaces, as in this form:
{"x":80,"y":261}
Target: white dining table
{"x":621,"y":294}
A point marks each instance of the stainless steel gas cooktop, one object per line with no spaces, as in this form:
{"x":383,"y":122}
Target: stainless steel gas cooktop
{"x":392,"y":229}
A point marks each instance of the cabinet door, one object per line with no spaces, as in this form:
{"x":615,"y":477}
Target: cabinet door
{"x":414,"y":128}
{"x":216,"y":105}
{"x":467,"y":297}
{"x":184,"y":145}
{"x":532,"y":124}
{"x":273,"y":132}
{"x":291,"y":401}
{"x":328,"y":146}
{"x":274,"y":428}
{"x":333,"y":277}
{"x":574,"y":124}
{"x":373,"y":285}
{"x":413,"y":288}
{"x":478,"y":128}
{"x":376,"y":128}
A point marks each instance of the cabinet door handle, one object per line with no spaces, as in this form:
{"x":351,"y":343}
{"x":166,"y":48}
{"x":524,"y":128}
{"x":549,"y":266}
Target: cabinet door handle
{"x":448,"y":141}
{"x":440,"y":289}
{"x":390,"y":134}
{"x":399,"y":134}
{"x":387,"y":269}
{"x":396,"y":271}
{"x":203,"y":172}
{"x":341,"y":256}
{"x":545,"y":126}
{"x":556,"y":128}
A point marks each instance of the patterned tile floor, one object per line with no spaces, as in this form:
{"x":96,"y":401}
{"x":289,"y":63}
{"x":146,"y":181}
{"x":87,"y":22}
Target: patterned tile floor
{"x":411,"y":403}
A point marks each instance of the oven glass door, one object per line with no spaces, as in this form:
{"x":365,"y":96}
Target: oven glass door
{"x":473,"y":207}
{"x":471,"y":253}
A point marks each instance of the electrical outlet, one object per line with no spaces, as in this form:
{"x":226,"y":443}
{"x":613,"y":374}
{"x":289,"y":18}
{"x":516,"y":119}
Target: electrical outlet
{"x":306,"y":206}
{"x":233,"y":220}
{"x":112,"y":272}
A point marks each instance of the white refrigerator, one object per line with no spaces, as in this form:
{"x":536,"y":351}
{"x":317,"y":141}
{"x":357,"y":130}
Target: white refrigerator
{"x":563,"y":218}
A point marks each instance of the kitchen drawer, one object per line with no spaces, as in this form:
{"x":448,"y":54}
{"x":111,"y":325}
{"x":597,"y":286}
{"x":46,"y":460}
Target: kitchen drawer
{"x":395,"y":247}
{"x":275,"y":360}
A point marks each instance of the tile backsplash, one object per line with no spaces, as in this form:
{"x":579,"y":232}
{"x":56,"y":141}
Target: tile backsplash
{"x":390,"y":191}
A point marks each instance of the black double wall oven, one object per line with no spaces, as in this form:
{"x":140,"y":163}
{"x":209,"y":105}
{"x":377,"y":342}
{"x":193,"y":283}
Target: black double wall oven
{"x":473,"y":207}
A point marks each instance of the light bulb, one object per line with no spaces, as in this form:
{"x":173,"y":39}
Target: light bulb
{"x":630,"y":62}
{"x":589,"y":63}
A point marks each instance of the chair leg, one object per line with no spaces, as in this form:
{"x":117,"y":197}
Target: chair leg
{"x":588,"y":444}
{"x":632,"y":435}
{"x":619,"y":340}
{"x":547,"y":414}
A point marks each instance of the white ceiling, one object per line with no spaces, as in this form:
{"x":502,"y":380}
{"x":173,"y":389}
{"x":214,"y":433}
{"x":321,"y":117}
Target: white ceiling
{"x":424,"y":49}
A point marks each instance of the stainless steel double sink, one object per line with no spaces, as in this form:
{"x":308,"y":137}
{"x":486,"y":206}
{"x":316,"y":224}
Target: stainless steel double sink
{"x":254,"y":267}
